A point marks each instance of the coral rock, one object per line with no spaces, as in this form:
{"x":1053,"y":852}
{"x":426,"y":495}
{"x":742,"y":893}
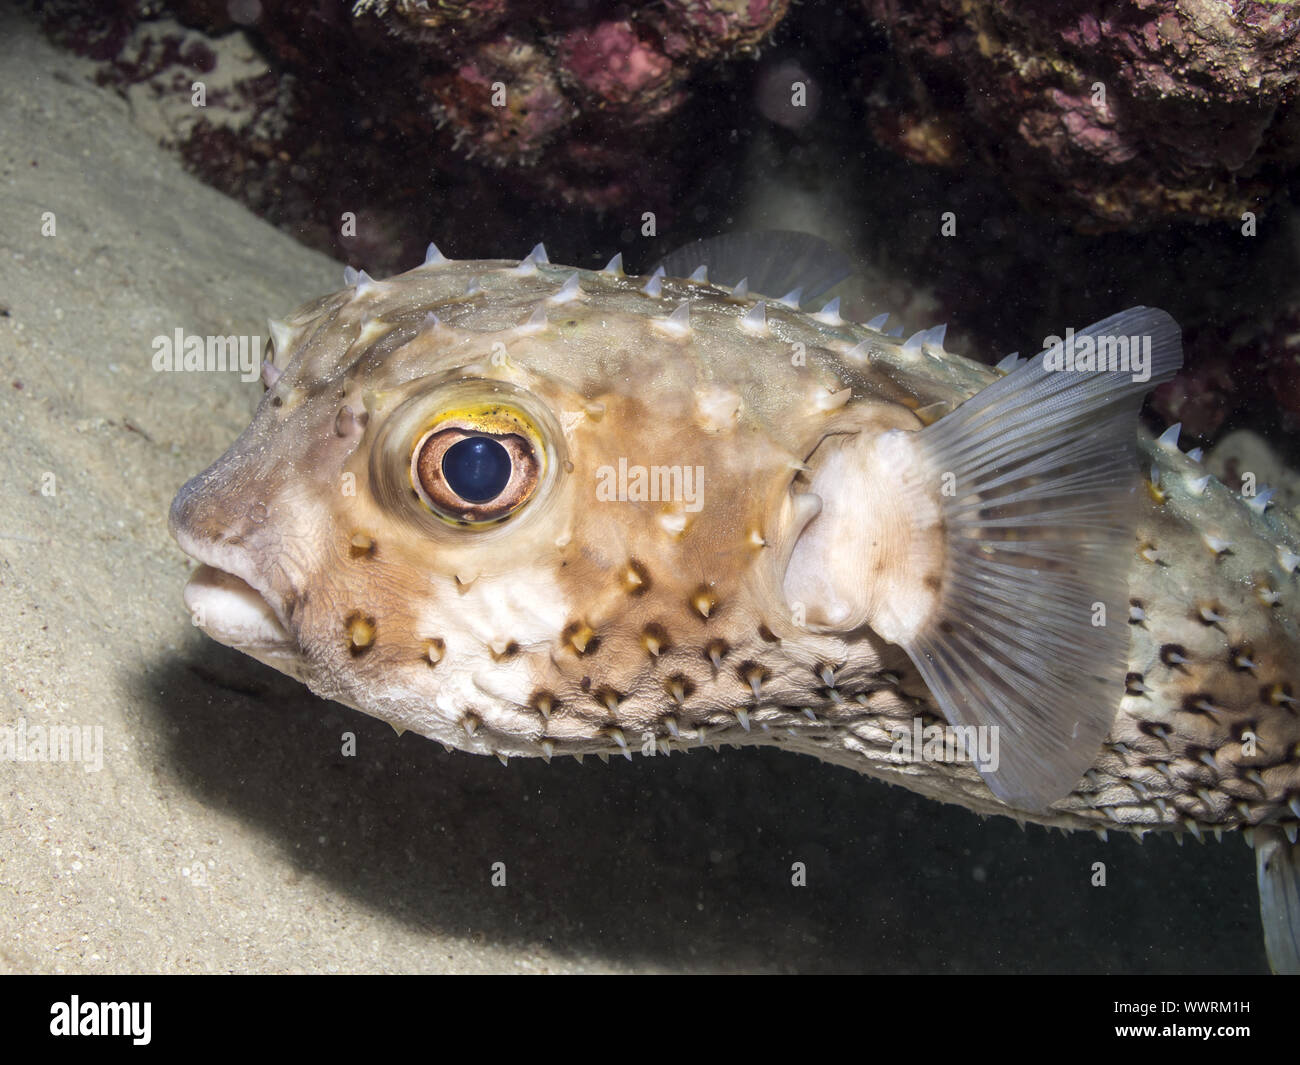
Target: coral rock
{"x":1109,"y":115}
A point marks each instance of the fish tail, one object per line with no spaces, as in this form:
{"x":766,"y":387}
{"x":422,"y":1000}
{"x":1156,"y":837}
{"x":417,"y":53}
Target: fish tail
{"x":1277,"y":867}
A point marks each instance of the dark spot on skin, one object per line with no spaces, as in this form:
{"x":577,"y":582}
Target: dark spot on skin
{"x":1193,"y":754}
{"x":608,"y":697}
{"x":933,"y":582}
{"x":716,"y":650}
{"x":580,"y":638}
{"x":544,"y":702}
{"x":295,"y":602}
{"x":928,"y":718}
{"x":655,"y":635}
{"x":681,"y":682}
{"x":233,"y":541}
{"x":767,"y":635}
{"x":637,"y":579}
{"x":1133,"y":684}
{"x":360,"y":630}
{"x":1238,"y":654}
{"x":1278,"y":694}
{"x":509,"y":651}
{"x":277,"y":401}
{"x":1190,"y":704}
{"x":751,"y":671}
{"x":704,"y":603}
{"x":1152,"y":547}
{"x":946,"y":627}
{"x":1209,"y":623}
{"x":1172,"y":653}
{"x":585,"y":684}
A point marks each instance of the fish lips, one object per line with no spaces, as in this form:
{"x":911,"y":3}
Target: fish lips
{"x":227,"y":599}
{"x":232,"y":612}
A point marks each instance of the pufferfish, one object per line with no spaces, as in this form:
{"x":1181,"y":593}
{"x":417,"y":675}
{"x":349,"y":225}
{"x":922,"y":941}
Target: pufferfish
{"x":531,"y":510}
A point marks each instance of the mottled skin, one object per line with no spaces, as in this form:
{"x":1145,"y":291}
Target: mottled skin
{"x":580,"y":626}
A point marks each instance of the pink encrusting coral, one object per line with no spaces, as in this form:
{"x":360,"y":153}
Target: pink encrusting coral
{"x":614,"y":66}
{"x":503,"y":103}
{"x":578,"y":106}
{"x":1110,"y":115}
{"x":523,"y":82}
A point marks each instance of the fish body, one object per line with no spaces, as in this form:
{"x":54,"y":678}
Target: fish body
{"x":693,"y":516}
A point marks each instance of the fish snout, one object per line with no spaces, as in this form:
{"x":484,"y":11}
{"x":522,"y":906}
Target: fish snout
{"x":231,"y":595}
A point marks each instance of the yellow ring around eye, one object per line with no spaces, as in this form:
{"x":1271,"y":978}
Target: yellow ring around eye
{"x":492,"y":419}
{"x":500,"y":422}
{"x":448,"y":404}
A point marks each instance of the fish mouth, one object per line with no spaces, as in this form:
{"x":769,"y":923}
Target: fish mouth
{"x":224,"y":600}
{"x":233,"y":612}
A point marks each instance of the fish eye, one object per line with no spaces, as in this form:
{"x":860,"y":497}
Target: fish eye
{"x":468,"y":474}
{"x":476,"y":468}
{"x":451,"y":457}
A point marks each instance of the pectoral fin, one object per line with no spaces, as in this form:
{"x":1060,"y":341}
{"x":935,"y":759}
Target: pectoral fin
{"x":1036,"y":476}
{"x":994,"y":547}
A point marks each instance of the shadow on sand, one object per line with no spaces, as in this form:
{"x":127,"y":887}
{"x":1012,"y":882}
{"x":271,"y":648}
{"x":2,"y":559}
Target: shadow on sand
{"x":683,"y":862}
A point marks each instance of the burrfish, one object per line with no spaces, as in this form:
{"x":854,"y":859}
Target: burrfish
{"x":533,"y":510}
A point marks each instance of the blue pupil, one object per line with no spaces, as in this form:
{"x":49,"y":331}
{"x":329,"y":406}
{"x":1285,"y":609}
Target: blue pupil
{"x":477,"y":469}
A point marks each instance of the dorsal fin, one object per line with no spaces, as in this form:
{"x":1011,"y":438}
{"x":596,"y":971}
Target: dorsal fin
{"x":775,"y":261}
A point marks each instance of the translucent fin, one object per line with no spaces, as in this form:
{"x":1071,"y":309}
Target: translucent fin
{"x":774,"y":260}
{"x":1277,"y":866}
{"x":1037,"y":473}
